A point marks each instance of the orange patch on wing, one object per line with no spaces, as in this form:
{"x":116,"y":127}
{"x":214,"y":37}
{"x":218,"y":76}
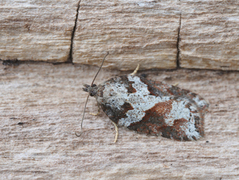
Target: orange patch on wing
{"x":162,"y":108}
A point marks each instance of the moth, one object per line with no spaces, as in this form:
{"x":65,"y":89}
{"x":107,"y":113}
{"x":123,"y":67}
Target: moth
{"x":151,"y":107}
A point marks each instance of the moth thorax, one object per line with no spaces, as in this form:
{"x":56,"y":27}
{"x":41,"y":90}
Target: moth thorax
{"x":92,"y":90}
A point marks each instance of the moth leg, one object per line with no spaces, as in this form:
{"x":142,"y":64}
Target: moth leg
{"x":116,"y":131}
{"x":98,"y":112}
{"x":135,"y":71}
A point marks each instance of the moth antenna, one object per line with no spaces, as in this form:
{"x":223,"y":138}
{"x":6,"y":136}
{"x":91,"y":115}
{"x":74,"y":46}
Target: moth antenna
{"x":99,"y":69}
{"x":78,"y":135}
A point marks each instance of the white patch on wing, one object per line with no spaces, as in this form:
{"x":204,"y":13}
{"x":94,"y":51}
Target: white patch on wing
{"x":200,"y":103}
{"x":179,"y":111}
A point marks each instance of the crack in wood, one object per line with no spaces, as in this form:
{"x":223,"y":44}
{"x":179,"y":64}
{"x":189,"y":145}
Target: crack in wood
{"x":178,"y":41}
{"x":70,"y":59}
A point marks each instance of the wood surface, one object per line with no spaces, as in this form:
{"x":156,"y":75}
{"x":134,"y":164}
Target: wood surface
{"x":36,"y":30}
{"x":157,"y":34}
{"x":41,"y":107}
{"x":143,"y":32}
{"x":209,"y":34}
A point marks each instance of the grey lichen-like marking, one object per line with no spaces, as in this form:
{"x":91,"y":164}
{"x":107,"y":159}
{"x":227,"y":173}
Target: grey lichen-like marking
{"x":201,"y":103}
{"x":179,"y":111}
{"x":141,"y":101}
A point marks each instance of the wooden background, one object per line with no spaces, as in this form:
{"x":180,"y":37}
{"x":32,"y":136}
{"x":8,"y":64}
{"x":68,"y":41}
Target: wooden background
{"x":41,"y":107}
{"x":157,"y":34}
{"x":41,"y":103}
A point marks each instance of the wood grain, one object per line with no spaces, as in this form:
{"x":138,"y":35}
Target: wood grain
{"x":41,"y":107}
{"x":133,"y":32}
{"x":36,"y":30}
{"x":210,"y":34}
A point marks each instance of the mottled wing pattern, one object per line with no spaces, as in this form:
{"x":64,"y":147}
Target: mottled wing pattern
{"x":153,"y":108}
{"x":180,"y":118}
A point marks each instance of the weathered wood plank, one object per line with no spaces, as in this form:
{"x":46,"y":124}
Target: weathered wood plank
{"x":36,"y":30}
{"x":133,"y":32}
{"x":210,"y":34}
{"x":41,"y":105}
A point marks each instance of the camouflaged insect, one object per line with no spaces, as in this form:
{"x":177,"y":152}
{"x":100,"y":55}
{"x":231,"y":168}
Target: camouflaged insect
{"x":151,"y":107}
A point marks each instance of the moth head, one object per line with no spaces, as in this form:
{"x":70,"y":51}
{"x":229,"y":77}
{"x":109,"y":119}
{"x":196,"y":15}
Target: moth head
{"x":92,"y":90}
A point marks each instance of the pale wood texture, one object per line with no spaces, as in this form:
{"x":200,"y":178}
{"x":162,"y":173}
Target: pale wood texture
{"x":144,"y":32}
{"x":133,"y":32}
{"x":41,"y":107}
{"x":210,"y":34}
{"x":36,"y":30}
